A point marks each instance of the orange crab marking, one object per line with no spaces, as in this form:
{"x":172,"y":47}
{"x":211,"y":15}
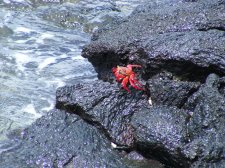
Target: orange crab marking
{"x":125,"y":75}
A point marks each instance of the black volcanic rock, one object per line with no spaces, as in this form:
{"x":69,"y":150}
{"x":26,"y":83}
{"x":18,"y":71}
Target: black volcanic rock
{"x":161,"y":133}
{"x":179,"y":119}
{"x":181,"y":47}
{"x":103,"y":105}
{"x":61,"y":139}
{"x":192,"y":136}
{"x":176,"y":129}
{"x":170,"y":92}
{"x":185,"y":38}
{"x":206,"y":126}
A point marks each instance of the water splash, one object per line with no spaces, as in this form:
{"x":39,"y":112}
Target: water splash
{"x":40,"y":50}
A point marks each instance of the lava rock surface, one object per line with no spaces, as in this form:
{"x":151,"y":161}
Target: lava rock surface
{"x":103,"y":105}
{"x":184,"y":38}
{"x":178,"y":136}
{"x":180,"y":45}
{"x":60,"y":139}
{"x":178,"y":120}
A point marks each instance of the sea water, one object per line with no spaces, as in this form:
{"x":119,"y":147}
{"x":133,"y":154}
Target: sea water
{"x":40,"y":50}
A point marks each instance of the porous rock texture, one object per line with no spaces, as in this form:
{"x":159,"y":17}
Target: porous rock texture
{"x":177,"y":131}
{"x":180,"y":117}
{"x":186,"y":38}
{"x":103,"y":105}
{"x":60,"y":139}
{"x":187,"y":136}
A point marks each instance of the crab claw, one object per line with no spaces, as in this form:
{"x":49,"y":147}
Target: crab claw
{"x":114,"y":69}
{"x":118,"y":76}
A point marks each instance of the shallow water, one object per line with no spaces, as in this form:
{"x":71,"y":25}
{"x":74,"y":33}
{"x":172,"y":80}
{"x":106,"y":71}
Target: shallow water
{"x":40,"y":50}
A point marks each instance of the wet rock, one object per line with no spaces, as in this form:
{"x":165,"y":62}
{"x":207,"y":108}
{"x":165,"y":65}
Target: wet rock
{"x":103,"y":105}
{"x":160,"y":132}
{"x":176,"y":129}
{"x":180,"y":45}
{"x":61,"y":139}
{"x":82,"y":15}
{"x":170,"y":92}
{"x":189,"y":137}
{"x":140,"y":162}
{"x":110,"y":109}
{"x":185,"y":38}
{"x":206,"y":126}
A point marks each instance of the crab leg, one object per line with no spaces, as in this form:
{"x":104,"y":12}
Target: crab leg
{"x":131,"y":66}
{"x":134,"y":82}
{"x":124,"y":84}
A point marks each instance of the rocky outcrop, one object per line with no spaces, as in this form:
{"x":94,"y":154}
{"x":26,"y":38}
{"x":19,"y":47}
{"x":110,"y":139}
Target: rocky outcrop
{"x":179,"y":119}
{"x":111,"y":110}
{"x":104,"y":106}
{"x":184,"y":38}
{"x":160,"y":132}
{"x":177,"y":131}
{"x":61,"y":139}
{"x":171,"y":92}
{"x":206,"y":126}
{"x":192,"y":135}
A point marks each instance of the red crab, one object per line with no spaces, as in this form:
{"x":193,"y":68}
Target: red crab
{"x":125,"y":75}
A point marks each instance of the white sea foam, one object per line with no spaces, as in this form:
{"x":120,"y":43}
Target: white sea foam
{"x":6,"y":1}
{"x":46,"y":62}
{"x":31,"y":110}
{"x":9,"y":1}
{"x":78,"y":57}
{"x":63,"y":56}
{"x":23,"y":30}
{"x":21,"y":59}
{"x":50,"y":107}
{"x":44,"y":36}
{"x":21,"y":41}
{"x":56,"y":83}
